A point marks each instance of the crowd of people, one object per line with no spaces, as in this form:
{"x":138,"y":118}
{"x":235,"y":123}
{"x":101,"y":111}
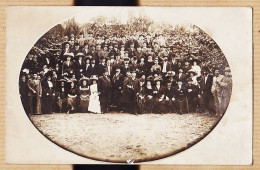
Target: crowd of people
{"x":134,"y":74}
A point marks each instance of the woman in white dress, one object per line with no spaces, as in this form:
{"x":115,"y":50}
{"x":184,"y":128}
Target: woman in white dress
{"x":94,"y":103}
{"x":195,"y":67}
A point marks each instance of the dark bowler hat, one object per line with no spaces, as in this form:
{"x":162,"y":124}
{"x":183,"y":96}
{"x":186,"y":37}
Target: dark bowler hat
{"x":192,"y":72}
{"x":150,"y":78}
{"x":76,"y":44}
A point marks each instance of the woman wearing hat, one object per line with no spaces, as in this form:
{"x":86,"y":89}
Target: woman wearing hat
{"x":94,"y":103}
{"x":195,"y":67}
{"x":149,"y":95}
{"x":72,"y":98}
{"x":158,"y":94}
{"x":84,"y":93}
{"x":193,"y":76}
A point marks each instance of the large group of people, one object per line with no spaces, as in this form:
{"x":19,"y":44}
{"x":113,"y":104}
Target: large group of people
{"x":134,"y":74}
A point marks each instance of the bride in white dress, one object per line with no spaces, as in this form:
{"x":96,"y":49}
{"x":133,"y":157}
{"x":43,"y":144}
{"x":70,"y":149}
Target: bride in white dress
{"x":94,"y":103}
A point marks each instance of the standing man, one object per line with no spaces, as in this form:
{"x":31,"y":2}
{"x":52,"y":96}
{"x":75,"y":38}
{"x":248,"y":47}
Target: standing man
{"x":216,"y":90}
{"x":105,"y":92}
{"x":34,"y":94}
{"x":205,"y":91}
{"x":117,"y":87}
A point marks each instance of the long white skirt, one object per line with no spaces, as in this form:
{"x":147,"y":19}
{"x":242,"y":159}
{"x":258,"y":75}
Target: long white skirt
{"x":94,"y":104}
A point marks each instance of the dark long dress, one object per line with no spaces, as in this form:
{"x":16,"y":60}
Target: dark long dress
{"x":149,"y":99}
{"x":72,"y":99}
{"x":84,"y":98}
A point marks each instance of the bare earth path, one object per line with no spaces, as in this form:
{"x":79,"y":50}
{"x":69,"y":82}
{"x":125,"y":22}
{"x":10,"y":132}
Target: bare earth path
{"x":118,"y":137}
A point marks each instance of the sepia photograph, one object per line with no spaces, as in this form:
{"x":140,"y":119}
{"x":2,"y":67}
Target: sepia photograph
{"x":128,"y":86}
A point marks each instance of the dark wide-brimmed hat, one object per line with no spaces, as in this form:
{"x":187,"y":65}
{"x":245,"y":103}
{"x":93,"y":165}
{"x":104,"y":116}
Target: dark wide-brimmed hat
{"x":150,"y":78}
{"x":191,"y":71}
{"x":84,"y":79}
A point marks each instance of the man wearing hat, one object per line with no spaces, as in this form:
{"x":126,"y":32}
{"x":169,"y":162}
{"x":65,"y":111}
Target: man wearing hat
{"x":181,"y":76}
{"x":206,"y":94}
{"x":131,"y":50}
{"x":158,"y":94}
{"x":93,"y":69}
{"x":180,"y":97}
{"x":76,"y":50}
{"x":169,"y":100}
{"x":105,"y":91}
{"x":131,"y":87}
{"x":166,"y":66}
{"x":171,"y":77}
{"x":126,"y":66}
{"x":117,"y":87}
{"x":216,"y":90}
{"x":191,"y":96}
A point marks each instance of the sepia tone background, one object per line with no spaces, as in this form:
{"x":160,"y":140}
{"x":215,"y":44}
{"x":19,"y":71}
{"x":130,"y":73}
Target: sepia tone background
{"x":256,"y":11}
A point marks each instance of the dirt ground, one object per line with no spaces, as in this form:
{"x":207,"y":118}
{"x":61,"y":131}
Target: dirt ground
{"x":118,"y":137}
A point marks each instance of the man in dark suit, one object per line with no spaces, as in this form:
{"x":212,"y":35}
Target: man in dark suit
{"x":117,"y":87}
{"x":169,"y":100}
{"x":105,"y":92}
{"x":131,"y":87}
{"x":158,"y":95}
{"x":192,"y":92}
{"x":207,"y":96}
{"x":181,"y":76}
{"x":166,"y":66}
{"x":93,"y":69}
{"x":180,"y":97}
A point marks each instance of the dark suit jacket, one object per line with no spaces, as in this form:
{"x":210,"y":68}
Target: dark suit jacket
{"x":206,"y":86}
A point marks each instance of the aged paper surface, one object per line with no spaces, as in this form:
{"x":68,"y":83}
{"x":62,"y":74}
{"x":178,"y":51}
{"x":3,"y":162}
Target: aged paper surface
{"x":229,"y":143}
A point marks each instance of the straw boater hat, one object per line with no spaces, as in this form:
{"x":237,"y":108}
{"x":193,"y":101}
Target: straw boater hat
{"x":94,"y":77}
{"x":227,"y":69}
{"x":170,"y":74}
{"x":159,"y":78}
{"x":80,"y":54}
{"x":69,"y":55}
